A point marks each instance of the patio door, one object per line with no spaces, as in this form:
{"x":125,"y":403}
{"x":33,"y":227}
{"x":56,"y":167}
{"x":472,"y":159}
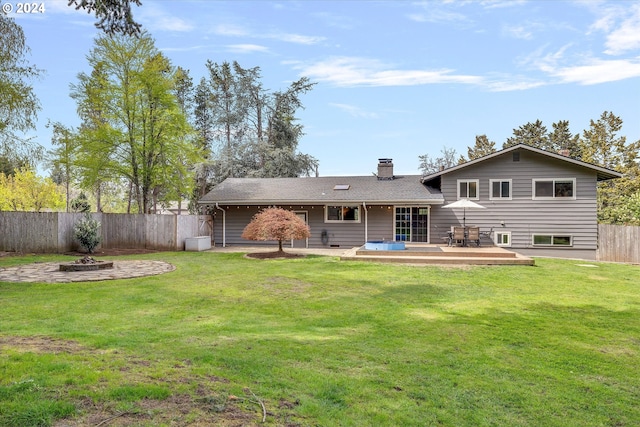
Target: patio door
{"x":412,"y":224}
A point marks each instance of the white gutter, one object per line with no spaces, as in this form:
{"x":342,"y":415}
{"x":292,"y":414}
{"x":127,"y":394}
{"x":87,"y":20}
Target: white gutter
{"x":224,"y":225}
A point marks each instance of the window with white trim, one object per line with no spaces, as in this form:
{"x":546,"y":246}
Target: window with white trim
{"x":554,"y":188}
{"x":552,"y":240}
{"x":500,"y":189}
{"x":468,"y":189}
{"x":342,"y":214}
{"x":502,"y":238}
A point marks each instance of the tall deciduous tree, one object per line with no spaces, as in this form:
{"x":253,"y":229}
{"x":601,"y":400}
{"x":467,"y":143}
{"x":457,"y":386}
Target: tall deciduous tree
{"x":429,"y":165}
{"x":276,"y":224}
{"x":63,"y":157}
{"x":132,"y":123}
{"x":18,"y":103}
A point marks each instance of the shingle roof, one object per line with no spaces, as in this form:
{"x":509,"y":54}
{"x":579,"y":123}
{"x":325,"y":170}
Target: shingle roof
{"x":368,"y":189}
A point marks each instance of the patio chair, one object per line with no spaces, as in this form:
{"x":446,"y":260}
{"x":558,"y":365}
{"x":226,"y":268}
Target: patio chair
{"x":458,"y":235}
{"x":474,"y":235}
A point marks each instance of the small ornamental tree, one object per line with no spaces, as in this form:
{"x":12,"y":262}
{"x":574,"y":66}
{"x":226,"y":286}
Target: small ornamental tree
{"x":276,"y":224}
{"x":87,"y":231}
{"x":80,"y":204}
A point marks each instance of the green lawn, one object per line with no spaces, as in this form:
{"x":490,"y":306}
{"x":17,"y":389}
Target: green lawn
{"x":320,"y":342}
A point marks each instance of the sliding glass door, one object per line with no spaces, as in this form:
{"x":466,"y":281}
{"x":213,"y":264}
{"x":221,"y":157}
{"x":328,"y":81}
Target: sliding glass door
{"x":412,"y":224}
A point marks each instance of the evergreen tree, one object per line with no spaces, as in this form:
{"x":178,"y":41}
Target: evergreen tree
{"x":114,"y":16}
{"x":602,"y":146}
{"x":561,"y":140}
{"x":483,"y":147}
{"x":532,"y":134}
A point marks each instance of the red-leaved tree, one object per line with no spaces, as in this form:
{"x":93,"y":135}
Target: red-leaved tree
{"x":276,"y":224}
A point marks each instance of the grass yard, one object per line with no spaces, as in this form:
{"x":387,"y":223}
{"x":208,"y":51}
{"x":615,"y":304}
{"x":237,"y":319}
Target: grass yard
{"x":226,"y":340}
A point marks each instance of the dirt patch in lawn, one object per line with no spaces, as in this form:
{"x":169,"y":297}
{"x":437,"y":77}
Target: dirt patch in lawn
{"x":41,"y":344}
{"x":176,"y":410}
{"x":207,"y":404}
{"x":274,"y":255}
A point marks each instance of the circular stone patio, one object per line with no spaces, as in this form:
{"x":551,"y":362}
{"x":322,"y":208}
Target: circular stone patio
{"x":49,"y":272}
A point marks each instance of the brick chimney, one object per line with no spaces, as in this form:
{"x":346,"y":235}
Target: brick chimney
{"x":385,"y":169}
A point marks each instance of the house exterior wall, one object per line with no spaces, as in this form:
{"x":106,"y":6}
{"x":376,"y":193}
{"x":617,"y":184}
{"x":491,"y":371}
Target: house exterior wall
{"x":522,"y":215}
{"x":379,"y":225}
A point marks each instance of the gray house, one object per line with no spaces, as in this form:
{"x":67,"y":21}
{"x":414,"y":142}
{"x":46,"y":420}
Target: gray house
{"x":536,"y":202}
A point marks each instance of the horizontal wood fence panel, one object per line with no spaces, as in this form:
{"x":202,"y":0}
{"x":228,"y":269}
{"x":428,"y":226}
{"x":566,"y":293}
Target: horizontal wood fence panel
{"x":52,"y":232}
{"x":618,"y":243}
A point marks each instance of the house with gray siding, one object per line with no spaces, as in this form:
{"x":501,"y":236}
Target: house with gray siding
{"x":535,"y":202}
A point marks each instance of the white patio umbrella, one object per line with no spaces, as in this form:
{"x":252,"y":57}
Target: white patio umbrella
{"x":464,"y":204}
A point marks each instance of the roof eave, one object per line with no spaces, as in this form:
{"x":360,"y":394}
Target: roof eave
{"x":322,"y":202}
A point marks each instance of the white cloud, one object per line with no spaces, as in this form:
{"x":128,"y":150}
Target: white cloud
{"x":183,"y":48}
{"x":598,"y":71}
{"x":353,"y":71}
{"x":585,"y":69}
{"x":434,"y":15}
{"x":246,"y":48}
{"x":295,"y":38}
{"x":511,"y":84}
{"x":518,"y":31}
{"x":230,"y":30}
{"x":626,"y":37}
{"x":152,"y":16}
{"x":237,"y":31}
{"x":499,"y":4}
{"x":355,"y":111}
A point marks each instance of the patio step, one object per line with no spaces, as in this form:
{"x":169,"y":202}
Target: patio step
{"x":434,"y":254}
{"x":463,"y":252}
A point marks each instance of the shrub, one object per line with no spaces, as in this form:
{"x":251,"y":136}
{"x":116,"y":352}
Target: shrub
{"x":87,"y":231}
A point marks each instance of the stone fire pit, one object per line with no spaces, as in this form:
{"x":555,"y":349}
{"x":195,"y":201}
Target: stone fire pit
{"x":86,"y":264}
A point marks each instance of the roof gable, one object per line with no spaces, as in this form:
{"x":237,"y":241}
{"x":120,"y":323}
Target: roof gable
{"x":602,"y":173}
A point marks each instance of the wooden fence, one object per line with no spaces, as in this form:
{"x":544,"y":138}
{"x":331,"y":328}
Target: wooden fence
{"x":618,"y":243}
{"x":52,"y":232}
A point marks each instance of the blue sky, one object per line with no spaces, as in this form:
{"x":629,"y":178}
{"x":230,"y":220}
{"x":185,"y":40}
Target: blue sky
{"x":395,"y":79}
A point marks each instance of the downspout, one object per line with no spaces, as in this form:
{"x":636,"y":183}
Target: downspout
{"x":366,"y":222}
{"x":224,"y":225}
